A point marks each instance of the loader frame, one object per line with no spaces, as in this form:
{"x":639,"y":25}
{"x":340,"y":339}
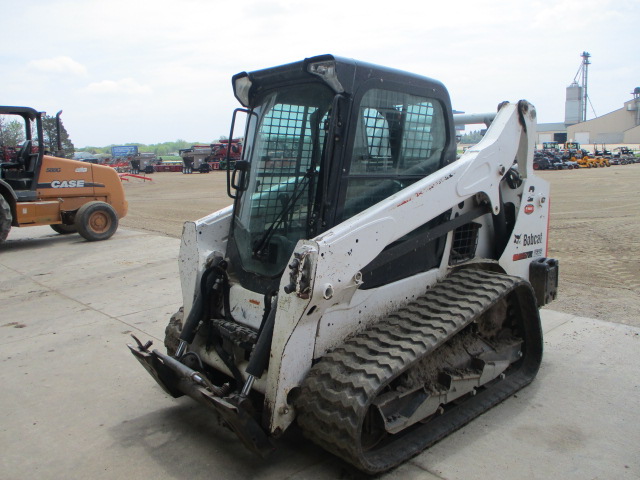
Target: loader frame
{"x":485,"y":211}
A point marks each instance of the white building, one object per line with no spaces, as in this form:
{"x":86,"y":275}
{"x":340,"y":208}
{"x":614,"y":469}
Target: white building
{"x":621,"y":126}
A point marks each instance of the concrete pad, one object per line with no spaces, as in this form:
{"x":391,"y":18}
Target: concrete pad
{"x":578,"y":419}
{"x":75,"y":404}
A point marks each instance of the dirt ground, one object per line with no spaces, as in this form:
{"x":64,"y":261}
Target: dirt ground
{"x":594,"y":232}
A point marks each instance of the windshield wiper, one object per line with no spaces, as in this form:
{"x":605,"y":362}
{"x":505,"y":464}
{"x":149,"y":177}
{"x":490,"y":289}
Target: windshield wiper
{"x":286,"y":208}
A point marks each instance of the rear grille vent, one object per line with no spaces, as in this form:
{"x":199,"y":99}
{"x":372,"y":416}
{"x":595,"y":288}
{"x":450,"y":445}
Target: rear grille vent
{"x":465,"y":242}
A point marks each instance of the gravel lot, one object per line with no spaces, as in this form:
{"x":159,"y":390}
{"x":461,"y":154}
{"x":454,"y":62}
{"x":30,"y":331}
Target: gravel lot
{"x":595,"y":226}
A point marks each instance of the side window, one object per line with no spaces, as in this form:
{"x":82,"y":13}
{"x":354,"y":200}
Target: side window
{"x":288,"y":138}
{"x":372,"y":151}
{"x":13,"y":136}
{"x":400,"y":138}
{"x":422,"y":140}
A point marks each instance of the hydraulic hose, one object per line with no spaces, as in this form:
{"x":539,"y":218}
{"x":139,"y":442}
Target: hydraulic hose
{"x":260,"y":356}
{"x":197,"y":310}
{"x":202,"y":305}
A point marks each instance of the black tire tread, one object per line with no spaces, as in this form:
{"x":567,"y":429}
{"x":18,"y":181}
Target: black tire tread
{"x":5,"y":219}
{"x":82,"y":223}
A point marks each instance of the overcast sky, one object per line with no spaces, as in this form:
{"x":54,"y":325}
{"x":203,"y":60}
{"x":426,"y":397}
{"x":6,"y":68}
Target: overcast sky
{"x":153,"y":71}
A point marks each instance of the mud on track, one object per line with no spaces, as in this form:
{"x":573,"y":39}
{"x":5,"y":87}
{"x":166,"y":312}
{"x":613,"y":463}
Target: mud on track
{"x":594,"y":231}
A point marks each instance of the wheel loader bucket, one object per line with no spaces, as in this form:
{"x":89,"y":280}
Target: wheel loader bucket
{"x":177,"y":379}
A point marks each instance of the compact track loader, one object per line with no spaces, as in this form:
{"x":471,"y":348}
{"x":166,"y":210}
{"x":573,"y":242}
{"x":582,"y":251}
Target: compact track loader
{"x":365,"y":283}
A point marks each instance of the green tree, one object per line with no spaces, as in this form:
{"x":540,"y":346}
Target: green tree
{"x":472,"y":137}
{"x":12,"y":133}
{"x":49,"y":129}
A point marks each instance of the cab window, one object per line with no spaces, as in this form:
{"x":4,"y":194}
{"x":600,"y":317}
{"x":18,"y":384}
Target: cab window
{"x":400,"y":138}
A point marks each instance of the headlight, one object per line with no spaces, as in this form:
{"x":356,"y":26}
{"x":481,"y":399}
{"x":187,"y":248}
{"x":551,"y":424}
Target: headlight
{"x":241,"y":87}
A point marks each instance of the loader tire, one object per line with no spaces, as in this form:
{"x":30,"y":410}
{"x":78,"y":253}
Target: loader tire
{"x":96,"y":221}
{"x":63,"y":229}
{"x":173,"y":331}
{"x":5,"y":219}
{"x":336,"y":409}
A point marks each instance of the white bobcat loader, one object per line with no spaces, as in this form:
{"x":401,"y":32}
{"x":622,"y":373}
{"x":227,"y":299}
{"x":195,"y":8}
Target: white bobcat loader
{"x":365,"y":284}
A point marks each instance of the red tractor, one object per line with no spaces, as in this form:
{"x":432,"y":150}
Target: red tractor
{"x":221,"y":148}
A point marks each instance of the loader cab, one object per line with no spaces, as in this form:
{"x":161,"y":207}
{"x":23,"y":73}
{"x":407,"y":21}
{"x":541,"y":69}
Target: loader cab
{"x":326,"y":139}
{"x":21,"y":148}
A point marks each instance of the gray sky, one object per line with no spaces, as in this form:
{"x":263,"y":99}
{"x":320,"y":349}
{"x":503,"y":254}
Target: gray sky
{"x":151,"y":71}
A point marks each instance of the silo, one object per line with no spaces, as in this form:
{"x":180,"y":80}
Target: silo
{"x":636,"y":97}
{"x":574,"y":104}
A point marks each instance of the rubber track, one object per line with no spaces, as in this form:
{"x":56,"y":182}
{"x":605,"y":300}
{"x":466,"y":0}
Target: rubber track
{"x":337,"y":393}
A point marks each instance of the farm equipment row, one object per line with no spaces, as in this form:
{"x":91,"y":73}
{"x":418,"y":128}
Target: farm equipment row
{"x":572,"y":156}
{"x":204,"y":158}
{"x":197,"y":158}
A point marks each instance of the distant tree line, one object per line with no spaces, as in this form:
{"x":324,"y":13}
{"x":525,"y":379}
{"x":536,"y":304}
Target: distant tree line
{"x":160,"y":149}
{"x":12,"y":133}
{"x":472,"y":137}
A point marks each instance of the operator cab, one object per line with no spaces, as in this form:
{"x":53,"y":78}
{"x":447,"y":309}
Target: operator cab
{"x":325,"y":139}
{"x":21,"y":148}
